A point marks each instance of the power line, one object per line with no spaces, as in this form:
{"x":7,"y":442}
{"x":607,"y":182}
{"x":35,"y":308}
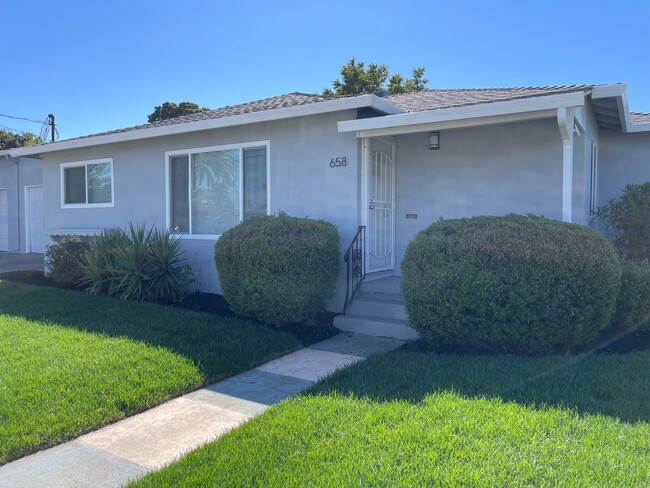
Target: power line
{"x":14,"y":130}
{"x":22,"y":118}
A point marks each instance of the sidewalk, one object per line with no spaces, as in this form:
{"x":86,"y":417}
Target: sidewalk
{"x":128,"y":449}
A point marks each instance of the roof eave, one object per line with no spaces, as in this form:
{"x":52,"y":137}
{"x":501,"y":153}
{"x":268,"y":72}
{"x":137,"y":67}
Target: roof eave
{"x":510,"y":108}
{"x":328,"y":106}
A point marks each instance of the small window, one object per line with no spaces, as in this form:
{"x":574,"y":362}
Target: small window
{"x":87,"y":183}
{"x":213,"y":189}
{"x":593,"y":190}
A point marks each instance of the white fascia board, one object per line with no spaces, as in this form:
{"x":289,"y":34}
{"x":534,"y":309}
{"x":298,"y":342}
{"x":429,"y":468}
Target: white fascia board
{"x":619,"y":93}
{"x":533,"y":104}
{"x":640,"y":127}
{"x":199,"y":125}
{"x":458,"y":124}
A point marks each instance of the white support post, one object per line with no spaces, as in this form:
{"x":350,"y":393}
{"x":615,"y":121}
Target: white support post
{"x":565,"y":118}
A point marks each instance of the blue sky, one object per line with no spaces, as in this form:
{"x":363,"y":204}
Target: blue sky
{"x":102,"y":65}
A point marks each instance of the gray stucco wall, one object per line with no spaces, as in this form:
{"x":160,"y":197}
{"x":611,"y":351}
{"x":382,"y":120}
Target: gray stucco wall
{"x":15,"y":175}
{"x":302,"y":182}
{"x":491,"y":170}
{"x":624,"y":159}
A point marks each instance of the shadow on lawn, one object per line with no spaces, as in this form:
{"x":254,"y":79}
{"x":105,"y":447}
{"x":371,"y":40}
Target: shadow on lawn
{"x":615,"y":385}
{"x":219,"y":345}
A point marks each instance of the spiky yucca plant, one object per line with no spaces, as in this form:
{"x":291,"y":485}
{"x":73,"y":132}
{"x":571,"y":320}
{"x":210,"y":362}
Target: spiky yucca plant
{"x":137,"y":264}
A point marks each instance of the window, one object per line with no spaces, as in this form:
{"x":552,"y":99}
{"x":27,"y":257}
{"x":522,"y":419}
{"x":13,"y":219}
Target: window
{"x":213,"y":189}
{"x":593,"y":190}
{"x":87,"y":183}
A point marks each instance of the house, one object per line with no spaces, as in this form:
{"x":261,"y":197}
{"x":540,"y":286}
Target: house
{"x":393,"y":164}
{"x":21,"y":204}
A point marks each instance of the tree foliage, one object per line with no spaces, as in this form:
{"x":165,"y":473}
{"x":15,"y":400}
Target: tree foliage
{"x":356,"y":79}
{"x":169,"y":110}
{"x":628,"y":221}
{"x":11,"y":140}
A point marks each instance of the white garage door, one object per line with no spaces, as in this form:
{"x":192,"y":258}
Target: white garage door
{"x":4,"y":222}
{"x":36,"y":233}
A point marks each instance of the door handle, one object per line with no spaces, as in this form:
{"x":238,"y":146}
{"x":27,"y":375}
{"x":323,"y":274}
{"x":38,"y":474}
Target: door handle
{"x":371,"y":206}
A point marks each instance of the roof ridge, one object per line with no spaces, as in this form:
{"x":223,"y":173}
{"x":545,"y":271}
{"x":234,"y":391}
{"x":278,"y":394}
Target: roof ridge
{"x":547,"y":87}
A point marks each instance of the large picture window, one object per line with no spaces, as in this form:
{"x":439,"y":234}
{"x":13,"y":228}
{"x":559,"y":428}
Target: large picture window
{"x":87,"y":183}
{"x":213,"y":189}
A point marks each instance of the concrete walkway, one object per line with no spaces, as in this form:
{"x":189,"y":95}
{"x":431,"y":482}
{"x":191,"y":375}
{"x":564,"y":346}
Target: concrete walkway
{"x":13,"y":261}
{"x":126,"y":450}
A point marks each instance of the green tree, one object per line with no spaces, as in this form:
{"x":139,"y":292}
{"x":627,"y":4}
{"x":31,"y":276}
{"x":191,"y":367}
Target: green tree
{"x":169,"y":110}
{"x":10,"y":140}
{"x":356,"y":79}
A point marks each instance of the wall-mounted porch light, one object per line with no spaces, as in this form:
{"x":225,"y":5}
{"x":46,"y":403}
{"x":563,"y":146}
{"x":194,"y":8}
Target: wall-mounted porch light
{"x":434,"y":140}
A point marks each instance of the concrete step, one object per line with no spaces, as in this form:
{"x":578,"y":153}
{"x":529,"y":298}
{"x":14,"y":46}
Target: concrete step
{"x":377,"y":307}
{"x":375,"y":326}
{"x":379,"y":295}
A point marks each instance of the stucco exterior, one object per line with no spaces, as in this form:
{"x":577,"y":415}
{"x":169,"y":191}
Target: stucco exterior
{"x":302,"y":182}
{"x":15,"y":175}
{"x":530,"y":155}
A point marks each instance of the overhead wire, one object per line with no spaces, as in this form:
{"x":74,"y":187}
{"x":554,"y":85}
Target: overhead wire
{"x":22,"y":118}
{"x":45,"y":127}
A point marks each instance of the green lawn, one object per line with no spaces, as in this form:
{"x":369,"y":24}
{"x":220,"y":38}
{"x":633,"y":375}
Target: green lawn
{"x":71,"y":362}
{"x":424,"y":419}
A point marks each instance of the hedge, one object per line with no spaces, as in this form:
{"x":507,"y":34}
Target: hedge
{"x":513,"y":284}
{"x":278,"y":269}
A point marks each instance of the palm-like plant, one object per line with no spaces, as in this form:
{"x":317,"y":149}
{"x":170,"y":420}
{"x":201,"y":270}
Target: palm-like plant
{"x":138,"y":264}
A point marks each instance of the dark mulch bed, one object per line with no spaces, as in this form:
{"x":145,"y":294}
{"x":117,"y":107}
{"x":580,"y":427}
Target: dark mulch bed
{"x":308,"y":333}
{"x":607,"y":343}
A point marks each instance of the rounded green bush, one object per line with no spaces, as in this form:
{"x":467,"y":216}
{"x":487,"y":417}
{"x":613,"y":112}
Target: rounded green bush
{"x":278,"y":269}
{"x":633,"y":303}
{"x":515,"y":284}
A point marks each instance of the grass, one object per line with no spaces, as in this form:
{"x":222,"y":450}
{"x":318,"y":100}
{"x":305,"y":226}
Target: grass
{"x":71,"y":362}
{"x":424,"y":419}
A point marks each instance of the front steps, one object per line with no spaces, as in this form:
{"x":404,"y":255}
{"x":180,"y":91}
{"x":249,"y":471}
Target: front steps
{"x":377,"y":310}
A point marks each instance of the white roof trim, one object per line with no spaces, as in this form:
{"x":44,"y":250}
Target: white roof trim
{"x":619,"y":92}
{"x":361,"y":101}
{"x":476,"y":111}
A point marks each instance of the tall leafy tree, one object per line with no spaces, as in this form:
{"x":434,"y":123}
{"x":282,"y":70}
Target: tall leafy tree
{"x":169,"y":110}
{"x":11,"y":140}
{"x":357,"y":79}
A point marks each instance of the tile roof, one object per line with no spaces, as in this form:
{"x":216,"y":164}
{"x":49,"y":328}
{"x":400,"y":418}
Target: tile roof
{"x":281,"y":101}
{"x":434,"y":99}
{"x":431,"y":99}
{"x":639,"y":118}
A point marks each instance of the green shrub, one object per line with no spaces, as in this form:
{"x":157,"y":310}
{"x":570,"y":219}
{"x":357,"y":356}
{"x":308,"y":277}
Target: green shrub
{"x":633,"y":303}
{"x":628,"y":220}
{"x":516,"y":284}
{"x":63,"y":259}
{"x":278,"y":269}
{"x":139,"y":264}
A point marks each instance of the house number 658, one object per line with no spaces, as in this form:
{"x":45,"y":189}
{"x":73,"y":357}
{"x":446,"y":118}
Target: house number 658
{"x":338,"y":162}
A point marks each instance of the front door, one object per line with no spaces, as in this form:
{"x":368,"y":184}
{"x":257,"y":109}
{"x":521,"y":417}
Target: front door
{"x":380,"y":221}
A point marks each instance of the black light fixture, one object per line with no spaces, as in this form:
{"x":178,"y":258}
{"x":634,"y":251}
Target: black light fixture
{"x":434,"y":140}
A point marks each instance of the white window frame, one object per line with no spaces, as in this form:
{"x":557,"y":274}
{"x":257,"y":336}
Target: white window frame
{"x":84,"y":164}
{"x":195,"y":150}
{"x":593,"y":179}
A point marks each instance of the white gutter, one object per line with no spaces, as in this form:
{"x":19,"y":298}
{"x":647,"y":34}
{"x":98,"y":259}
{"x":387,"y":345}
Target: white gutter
{"x":507,"y":111}
{"x":350,"y":103}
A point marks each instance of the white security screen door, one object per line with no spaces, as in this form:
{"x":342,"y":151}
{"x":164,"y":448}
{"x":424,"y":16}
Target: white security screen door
{"x":36,"y":234}
{"x":380,"y":226}
{"x":4,"y":222}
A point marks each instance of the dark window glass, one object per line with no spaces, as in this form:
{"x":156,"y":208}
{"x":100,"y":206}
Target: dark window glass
{"x":255,"y":182}
{"x":75,"y":184}
{"x":180,"y":206}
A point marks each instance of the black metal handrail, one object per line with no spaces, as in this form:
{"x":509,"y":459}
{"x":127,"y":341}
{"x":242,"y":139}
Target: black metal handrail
{"x":355,"y":264}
